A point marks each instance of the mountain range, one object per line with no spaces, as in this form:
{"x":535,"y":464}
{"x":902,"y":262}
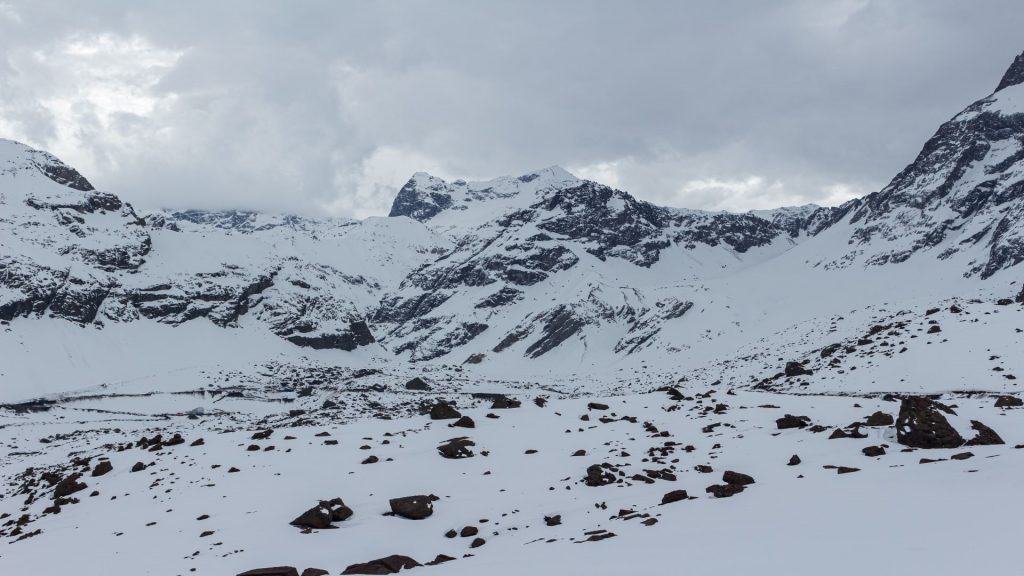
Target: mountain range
{"x":507,"y":269}
{"x":537,"y":374}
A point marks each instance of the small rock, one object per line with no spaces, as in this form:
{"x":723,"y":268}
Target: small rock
{"x":417,"y":383}
{"x":674,"y":496}
{"x":102,"y":468}
{"x":464,"y":422}
{"x":443,"y":411}
{"x":389,"y":565}
{"x":456,"y":448}
{"x":790,"y":421}
{"x":730,"y":477}
{"x":724,"y":490}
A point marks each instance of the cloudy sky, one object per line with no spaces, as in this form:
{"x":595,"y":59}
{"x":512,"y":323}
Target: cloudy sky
{"x":328,"y":107}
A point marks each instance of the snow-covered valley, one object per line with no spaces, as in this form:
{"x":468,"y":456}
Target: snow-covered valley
{"x":179,"y":388}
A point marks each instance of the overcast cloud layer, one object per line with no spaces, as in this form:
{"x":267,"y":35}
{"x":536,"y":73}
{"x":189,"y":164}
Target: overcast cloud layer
{"x":327,"y":108}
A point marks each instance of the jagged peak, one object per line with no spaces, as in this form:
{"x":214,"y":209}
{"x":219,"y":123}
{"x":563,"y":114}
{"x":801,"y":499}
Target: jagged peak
{"x":554,"y":172}
{"x":426,"y":195}
{"x":1014,"y":74}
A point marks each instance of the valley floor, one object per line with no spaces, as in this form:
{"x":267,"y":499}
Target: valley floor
{"x":356,"y":431}
{"x":189,"y":512}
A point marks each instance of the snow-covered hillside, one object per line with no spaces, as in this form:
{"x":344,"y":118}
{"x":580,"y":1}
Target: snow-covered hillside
{"x":177,"y":387}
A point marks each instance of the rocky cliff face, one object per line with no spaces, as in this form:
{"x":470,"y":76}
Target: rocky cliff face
{"x":73,"y":253}
{"x":545,"y":258}
{"x":962,"y":198}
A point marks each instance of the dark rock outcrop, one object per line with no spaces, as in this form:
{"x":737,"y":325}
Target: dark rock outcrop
{"x":921,"y":424}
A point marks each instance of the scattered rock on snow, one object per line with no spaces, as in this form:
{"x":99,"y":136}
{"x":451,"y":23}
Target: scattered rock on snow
{"x":413,"y":507}
{"x":273,"y":571}
{"x":985,"y":436}
{"x":1008,"y":402}
{"x":102,"y":468}
{"x":796,"y":369}
{"x":456,"y":448}
{"x":790,"y":421}
{"x":724,"y":490}
{"x":674,"y":496}
{"x":417,"y":383}
{"x":599,"y":475}
{"x":443,"y":411}
{"x":730,"y":477}
{"x":324,"y":514}
{"x":879,"y":419}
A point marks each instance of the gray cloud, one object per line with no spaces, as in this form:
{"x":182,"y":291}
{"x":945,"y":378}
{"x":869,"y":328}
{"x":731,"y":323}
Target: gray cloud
{"x":327,"y":107}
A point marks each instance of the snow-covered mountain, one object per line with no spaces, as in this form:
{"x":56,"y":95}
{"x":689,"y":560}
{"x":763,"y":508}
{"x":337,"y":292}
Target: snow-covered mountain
{"x":535,"y":374}
{"x":69,"y":252}
{"x":514,"y":267}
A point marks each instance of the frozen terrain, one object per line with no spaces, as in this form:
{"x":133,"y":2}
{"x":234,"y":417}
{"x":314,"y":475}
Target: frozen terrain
{"x":836,"y":389}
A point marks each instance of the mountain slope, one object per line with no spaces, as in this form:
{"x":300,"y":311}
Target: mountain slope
{"x":503,"y":273}
{"x":961,"y":199}
{"x":73,"y":253}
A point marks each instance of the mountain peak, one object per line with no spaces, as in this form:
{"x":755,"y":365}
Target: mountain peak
{"x":1014,"y":74}
{"x":551,"y":173}
{"x":16,"y":157}
{"x":424,"y":196}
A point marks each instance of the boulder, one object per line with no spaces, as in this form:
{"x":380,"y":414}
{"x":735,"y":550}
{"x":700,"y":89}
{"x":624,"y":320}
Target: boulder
{"x":873,"y":451}
{"x":440,"y":559}
{"x":443,"y":411}
{"x":599,"y":475}
{"x":796,"y":369}
{"x":985,"y":436}
{"x":413,"y":507}
{"x":464,"y":422}
{"x":724,"y":490}
{"x":274,"y":571}
{"x":503,"y":403}
{"x":68,"y":486}
{"x":674,"y":496}
{"x":456,"y":448}
{"x":1008,"y":402}
{"x":324,"y":514}
{"x":879,"y":419}
{"x":417,"y":383}
{"x":790,"y":421}
{"x":921,"y":424}
{"x":730,"y":477}
{"x":102,"y":468}
{"x":388,"y":565}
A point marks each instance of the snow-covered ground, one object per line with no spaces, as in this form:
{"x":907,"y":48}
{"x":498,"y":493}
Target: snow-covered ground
{"x":894,"y":515}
